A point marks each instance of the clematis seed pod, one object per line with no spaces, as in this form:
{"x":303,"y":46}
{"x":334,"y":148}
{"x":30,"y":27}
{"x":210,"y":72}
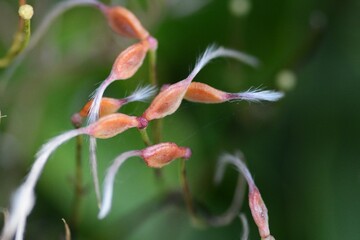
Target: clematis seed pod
{"x":203,"y":93}
{"x":171,"y":96}
{"x":167,"y":101}
{"x":257,"y":206}
{"x":113,"y":124}
{"x":129,"y":61}
{"x":159,"y":155}
{"x":124,"y":22}
{"x":155,"y":156}
{"x":112,"y":105}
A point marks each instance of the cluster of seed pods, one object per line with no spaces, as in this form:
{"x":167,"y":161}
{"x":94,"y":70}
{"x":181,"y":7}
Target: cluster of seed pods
{"x":104,"y":121}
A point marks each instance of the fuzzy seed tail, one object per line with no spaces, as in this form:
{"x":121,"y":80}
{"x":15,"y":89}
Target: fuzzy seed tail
{"x":94,"y":171}
{"x":258,"y":95}
{"x":95,"y":105}
{"x":213,"y":52}
{"x":142,"y":94}
{"x":109,"y":181}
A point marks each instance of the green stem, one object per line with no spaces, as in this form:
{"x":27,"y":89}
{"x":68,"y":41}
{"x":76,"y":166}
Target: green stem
{"x":145,"y":137}
{"x":20,"y":41}
{"x":152,"y":67}
{"x":78,"y":188}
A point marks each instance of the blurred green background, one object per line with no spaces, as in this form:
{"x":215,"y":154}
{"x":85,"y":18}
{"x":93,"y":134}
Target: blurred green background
{"x":303,"y":150}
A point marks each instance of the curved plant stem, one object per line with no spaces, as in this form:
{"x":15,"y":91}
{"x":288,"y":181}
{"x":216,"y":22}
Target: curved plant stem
{"x":20,"y":40}
{"x":57,"y":10}
{"x":67,"y":230}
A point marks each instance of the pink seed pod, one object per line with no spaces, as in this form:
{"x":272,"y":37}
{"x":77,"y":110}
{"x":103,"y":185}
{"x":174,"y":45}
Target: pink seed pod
{"x":112,"y":105}
{"x":129,"y":61}
{"x":257,"y":206}
{"x":203,"y":93}
{"x":124,"y":22}
{"x":259,"y":211}
{"x":114,"y":124}
{"x":170,"y":98}
{"x":167,"y":101}
{"x":107,"y":106}
{"x":159,"y":155}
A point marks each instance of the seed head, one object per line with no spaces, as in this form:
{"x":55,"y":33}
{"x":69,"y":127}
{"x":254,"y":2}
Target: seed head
{"x":159,"y":155}
{"x":112,"y":125}
{"x":124,"y":22}
{"x":129,"y":61}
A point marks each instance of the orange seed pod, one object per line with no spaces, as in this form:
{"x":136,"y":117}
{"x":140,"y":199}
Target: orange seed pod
{"x":203,"y":93}
{"x":124,"y":22}
{"x":167,"y":101}
{"x":107,"y":106}
{"x":129,"y":61}
{"x":159,"y":155}
{"x":112,"y":125}
{"x":259,"y":212}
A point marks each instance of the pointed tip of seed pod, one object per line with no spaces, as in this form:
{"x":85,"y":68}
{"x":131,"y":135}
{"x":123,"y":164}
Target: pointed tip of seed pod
{"x":124,"y":22}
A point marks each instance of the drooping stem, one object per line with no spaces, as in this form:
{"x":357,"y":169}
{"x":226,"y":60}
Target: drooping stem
{"x":21,"y":37}
{"x":67,"y":230}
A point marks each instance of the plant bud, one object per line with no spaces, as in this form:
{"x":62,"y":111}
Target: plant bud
{"x":159,"y":155}
{"x":124,"y":22}
{"x":259,"y":211}
{"x":129,"y":61}
{"x":112,"y":125}
{"x":167,"y":101}
{"x":203,"y":93}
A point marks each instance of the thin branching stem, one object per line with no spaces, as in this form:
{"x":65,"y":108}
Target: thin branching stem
{"x":78,"y":185}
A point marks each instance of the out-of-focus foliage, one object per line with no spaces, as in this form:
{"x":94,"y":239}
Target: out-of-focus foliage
{"x":302,"y":151}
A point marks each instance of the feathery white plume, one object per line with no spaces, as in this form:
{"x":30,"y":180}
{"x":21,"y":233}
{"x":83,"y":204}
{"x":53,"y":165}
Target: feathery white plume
{"x":109,"y":181}
{"x":142,"y":94}
{"x":24,"y":198}
{"x":259,"y":95}
{"x":214,"y":52}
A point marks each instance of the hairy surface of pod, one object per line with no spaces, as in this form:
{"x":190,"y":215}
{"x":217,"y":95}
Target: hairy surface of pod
{"x":167,"y":101}
{"x":259,"y":212}
{"x":112,"y":125}
{"x":125,"y":23}
{"x":107,"y":106}
{"x":129,"y":61}
{"x":162,"y":154}
{"x":203,"y":93}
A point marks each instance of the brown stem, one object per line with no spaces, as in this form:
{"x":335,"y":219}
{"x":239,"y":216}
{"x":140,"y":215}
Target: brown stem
{"x":187,"y":196}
